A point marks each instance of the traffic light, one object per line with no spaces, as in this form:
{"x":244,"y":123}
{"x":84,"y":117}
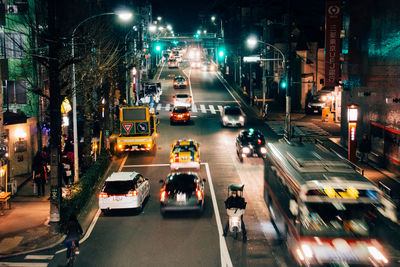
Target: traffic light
{"x":221,"y":53}
{"x":283,"y":84}
{"x":158,"y":48}
{"x":197,"y":36}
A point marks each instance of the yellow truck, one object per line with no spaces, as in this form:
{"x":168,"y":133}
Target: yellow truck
{"x":138,"y":130}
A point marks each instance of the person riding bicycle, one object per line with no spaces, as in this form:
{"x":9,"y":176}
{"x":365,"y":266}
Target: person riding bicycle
{"x":234,"y":201}
{"x":74,"y":232}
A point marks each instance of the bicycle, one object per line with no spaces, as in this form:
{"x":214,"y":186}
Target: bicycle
{"x":74,"y":252}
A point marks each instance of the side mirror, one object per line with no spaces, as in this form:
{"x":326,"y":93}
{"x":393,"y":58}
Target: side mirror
{"x":293,"y":207}
{"x":146,"y":179}
{"x":157,"y":113}
{"x":161,"y":181}
{"x":204,"y":180}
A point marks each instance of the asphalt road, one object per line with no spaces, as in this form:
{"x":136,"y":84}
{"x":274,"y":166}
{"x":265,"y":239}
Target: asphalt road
{"x":188,"y":239}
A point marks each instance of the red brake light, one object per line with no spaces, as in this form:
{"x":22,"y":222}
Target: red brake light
{"x":176,"y":158}
{"x":132,"y":193}
{"x":103,"y":195}
{"x":163,"y":195}
{"x":199,"y":194}
{"x":171,"y":114}
{"x":187,"y":114}
{"x":259,"y":141}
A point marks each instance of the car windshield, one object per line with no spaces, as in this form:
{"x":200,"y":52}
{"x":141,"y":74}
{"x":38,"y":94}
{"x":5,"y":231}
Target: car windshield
{"x":182,"y":96}
{"x":180,"y":80}
{"x":181,"y":183}
{"x":253,"y":138}
{"x":151,"y":90}
{"x":185,"y":148}
{"x":118,"y":187}
{"x":337,"y":219}
{"x":180,"y":110}
{"x":232,"y":111}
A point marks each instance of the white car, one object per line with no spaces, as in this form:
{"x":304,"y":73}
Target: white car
{"x":124,"y":190}
{"x":182,"y":100}
{"x":232,"y":116}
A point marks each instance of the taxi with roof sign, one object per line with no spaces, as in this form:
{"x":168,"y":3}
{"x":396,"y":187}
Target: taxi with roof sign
{"x":184,"y":154}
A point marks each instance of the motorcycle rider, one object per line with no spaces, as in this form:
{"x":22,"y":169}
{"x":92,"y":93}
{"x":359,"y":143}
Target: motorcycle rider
{"x":235,"y":202}
{"x":74,"y":232}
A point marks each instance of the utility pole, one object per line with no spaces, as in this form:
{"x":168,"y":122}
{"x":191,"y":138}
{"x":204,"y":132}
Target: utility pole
{"x":288,"y":63}
{"x":55,"y":116}
{"x":264,"y":79}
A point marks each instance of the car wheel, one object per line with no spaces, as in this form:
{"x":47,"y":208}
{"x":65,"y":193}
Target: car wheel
{"x":171,"y":122}
{"x":140,"y":208}
{"x":105,"y":212}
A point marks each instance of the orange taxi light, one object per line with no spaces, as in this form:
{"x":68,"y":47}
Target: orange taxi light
{"x":103,"y":195}
{"x":132,"y":194}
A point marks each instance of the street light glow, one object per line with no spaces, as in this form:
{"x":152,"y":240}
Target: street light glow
{"x":159,"y":18}
{"x":198,"y":31}
{"x":213,"y":18}
{"x":161,"y":28}
{"x":124,"y":15}
{"x":252,"y":41}
{"x":169,"y":27}
{"x":205,"y":31}
{"x":152,"y":28}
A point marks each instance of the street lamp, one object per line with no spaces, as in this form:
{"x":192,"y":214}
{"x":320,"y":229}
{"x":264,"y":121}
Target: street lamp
{"x":212,"y":18}
{"x":252,"y":42}
{"x":352,"y":117}
{"x":124,"y":15}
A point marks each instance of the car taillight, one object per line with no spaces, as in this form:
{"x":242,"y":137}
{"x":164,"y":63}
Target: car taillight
{"x":187,"y":114}
{"x":171,"y":114}
{"x":259,"y":141}
{"x":103,"y":195}
{"x":163,"y":195}
{"x":131,"y":193}
{"x":175,"y":83}
{"x":176,"y":158}
{"x":199,"y":194}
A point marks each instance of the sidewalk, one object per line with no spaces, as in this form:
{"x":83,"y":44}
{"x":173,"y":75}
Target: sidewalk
{"x":25,"y":227}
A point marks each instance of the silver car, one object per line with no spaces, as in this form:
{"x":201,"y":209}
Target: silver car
{"x":232,"y":116}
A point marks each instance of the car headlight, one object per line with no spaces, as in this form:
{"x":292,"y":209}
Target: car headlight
{"x":224,"y":118}
{"x":323,"y":98}
{"x":377,"y":255}
{"x":323,"y":104}
{"x":263,"y":150}
{"x":241,"y":118}
{"x":245,"y":150}
{"x":212,"y":68}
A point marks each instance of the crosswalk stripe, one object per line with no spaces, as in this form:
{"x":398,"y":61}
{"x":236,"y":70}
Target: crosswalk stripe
{"x":39,"y":257}
{"x":212,"y":109}
{"x":194,"y":108}
{"x":159,"y":107}
{"x":23,"y":264}
{"x":220,"y":108}
{"x":167,"y":107}
{"x":203,"y":108}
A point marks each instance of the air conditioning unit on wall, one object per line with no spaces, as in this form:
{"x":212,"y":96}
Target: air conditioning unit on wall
{"x":12,"y":9}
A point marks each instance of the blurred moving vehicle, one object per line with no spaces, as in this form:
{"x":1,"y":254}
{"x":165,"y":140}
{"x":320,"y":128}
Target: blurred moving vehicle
{"x":182,"y":191}
{"x":209,"y":67}
{"x":196,"y":64}
{"x":149,"y":93}
{"x":173,"y":63}
{"x":232,"y":116}
{"x":323,"y":99}
{"x":325,"y":210}
{"x":179,"y":114}
{"x":179,"y":82}
{"x":184,"y":154}
{"x":250,"y":143}
{"x":182,"y":100}
{"x":124,"y":190}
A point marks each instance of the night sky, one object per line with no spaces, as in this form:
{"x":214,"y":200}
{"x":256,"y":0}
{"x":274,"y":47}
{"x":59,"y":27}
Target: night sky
{"x":183,"y":15}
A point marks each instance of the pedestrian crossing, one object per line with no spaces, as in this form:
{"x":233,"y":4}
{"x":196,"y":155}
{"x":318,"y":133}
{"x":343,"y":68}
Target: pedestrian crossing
{"x":32,"y":260}
{"x":299,"y":128}
{"x":201,"y":108}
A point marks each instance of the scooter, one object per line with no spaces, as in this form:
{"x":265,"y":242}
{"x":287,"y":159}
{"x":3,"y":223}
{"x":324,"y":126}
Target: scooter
{"x":235,"y":221}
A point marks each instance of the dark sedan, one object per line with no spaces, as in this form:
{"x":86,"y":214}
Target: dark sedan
{"x":250,"y":143}
{"x":182,"y":191}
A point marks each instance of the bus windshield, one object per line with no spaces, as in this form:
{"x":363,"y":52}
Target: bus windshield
{"x":337,"y":219}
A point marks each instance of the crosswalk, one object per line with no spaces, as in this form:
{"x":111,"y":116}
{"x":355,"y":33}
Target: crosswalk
{"x":202,"y":108}
{"x":300,"y":128}
{"x":32,"y":260}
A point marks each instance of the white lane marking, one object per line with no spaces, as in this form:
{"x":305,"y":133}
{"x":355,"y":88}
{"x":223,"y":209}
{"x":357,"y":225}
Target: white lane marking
{"x":225,"y":258}
{"x":212,"y":109}
{"x":159,"y":107}
{"x":220,"y":108}
{"x":190,"y":84}
{"x":23,"y":264}
{"x":96,"y":217}
{"x":38,"y":257}
{"x":167,"y":107}
{"x":162,"y":66}
{"x":203,"y":108}
{"x":229,"y":91}
{"x":194,"y":108}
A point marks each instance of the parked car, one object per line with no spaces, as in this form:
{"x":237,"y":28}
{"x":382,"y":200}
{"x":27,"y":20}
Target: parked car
{"x":322,"y":99}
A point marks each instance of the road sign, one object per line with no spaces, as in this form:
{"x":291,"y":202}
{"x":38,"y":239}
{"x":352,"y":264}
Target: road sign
{"x":252,"y":59}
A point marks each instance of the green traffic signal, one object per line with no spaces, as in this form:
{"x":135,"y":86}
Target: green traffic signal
{"x":197,"y":36}
{"x":221,"y":54}
{"x":283,"y":84}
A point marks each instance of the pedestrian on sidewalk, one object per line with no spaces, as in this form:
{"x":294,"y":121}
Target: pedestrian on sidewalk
{"x":39,"y":173}
{"x":364,"y":148}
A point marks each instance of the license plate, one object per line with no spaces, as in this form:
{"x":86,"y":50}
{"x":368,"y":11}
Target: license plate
{"x":181,"y":197}
{"x":315,"y":111}
{"x":134,"y":147}
{"x":117,"y":198}
{"x":184,"y":158}
{"x":255,"y":155}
